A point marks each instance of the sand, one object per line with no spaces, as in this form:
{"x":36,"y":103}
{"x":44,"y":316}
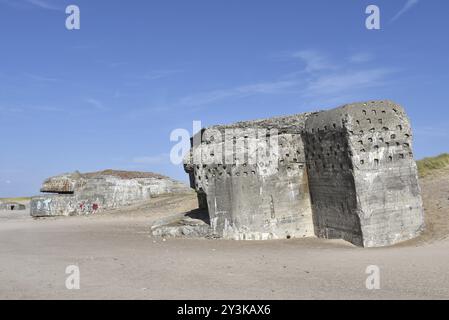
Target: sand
{"x":118,"y":259}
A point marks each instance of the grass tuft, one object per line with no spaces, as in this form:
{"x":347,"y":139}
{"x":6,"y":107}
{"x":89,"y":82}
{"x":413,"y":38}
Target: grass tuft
{"x":15,"y":199}
{"x":427,"y":165}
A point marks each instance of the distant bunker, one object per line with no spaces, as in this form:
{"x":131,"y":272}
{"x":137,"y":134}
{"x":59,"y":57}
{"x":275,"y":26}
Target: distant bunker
{"x":12,"y":206}
{"x":84,"y":194}
{"x":346,"y":173}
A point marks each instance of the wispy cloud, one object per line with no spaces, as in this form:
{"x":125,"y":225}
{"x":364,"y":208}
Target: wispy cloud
{"x":41,"y":78}
{"x":27,"y":108}
{"x":159,"y":74}
{"x":274,"y":87}
{"x":97,"y":104}
{"x":313,"y":60}
{"x":152,"y":160}
{"x":361,"y":57}
{"x":408,"y":5}
{"x":11,"y":109}
{"x":27,"y":4}
{"x":139,"y":113}
{"x":332,"y":80}
{"x":142,"y":79}
{"x":109,"y":64}
{"x":321,"y":78}
{"x":44,"y":4}
{"x":348,"y":80}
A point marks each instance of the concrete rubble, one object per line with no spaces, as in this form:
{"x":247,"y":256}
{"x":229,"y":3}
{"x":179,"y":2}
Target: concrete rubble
{"x":346,"y":173}
{"x":192,"y":224}
{"x":84,"y":194}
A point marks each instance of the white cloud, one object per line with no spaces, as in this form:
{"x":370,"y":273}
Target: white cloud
{"x":408,"y":5}
{"x":142,"y":79}
{"x":348,"y":80}
{"x":361,"y":57}
{"x":159,"y":74}
{"x":320,"y":79}
{"x":138,"y":113}
{"x":328,"y":80}
{"x":27,"y":4}
{"x":96,"y":104}
{"x":11,"y":109}
{"x":274,"y":87}
{"x":27,"y":108}
{"x":43,"y":4}
{"x":40,"y":78}
{"x":313,"y":60}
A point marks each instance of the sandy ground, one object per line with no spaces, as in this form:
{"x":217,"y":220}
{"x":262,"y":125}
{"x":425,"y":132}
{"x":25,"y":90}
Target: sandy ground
{"x":119,"y":260}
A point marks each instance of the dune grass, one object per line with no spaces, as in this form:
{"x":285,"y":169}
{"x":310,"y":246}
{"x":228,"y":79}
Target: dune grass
{"x":428,"y":165}
{"x":15,"y":199}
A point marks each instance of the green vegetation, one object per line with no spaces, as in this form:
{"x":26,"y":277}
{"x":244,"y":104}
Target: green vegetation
{"x":15,"y":199}
{"x":427,"y":165}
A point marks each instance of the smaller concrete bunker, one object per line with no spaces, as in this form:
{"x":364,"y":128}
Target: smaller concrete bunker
{"x":88,"y":193}
{"x":12,"y":206}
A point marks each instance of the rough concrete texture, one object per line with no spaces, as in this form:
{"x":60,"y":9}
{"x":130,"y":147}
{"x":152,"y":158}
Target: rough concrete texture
{"x":345,"y":173}
{"x":362,"y":175}
{"x":267,"y":199}
{"x":191,"y":224}
{"x":12,"y":206}
{"x":183,"y":228}
{"x":83,"y":194}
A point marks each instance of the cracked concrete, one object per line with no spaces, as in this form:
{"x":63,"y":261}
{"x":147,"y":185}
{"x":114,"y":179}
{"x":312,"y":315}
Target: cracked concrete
{"x":84,"y":194}
{"x":346,"y":173}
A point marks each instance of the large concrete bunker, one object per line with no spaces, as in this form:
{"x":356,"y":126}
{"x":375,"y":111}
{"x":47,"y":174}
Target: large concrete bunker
{"x":345,"y":173}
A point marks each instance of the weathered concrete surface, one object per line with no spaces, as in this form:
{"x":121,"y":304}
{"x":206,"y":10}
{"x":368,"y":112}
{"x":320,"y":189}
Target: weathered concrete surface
{"x":12,"y":206}
{"x":191,"y":224}
{"x":257,"y":200}
{"x":362,"y":175}
{"x":183,"y":228}
{"x":356,"y":160}
{"x":81,"y":194}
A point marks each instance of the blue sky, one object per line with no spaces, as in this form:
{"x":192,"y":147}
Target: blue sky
{"x":108,"y":95}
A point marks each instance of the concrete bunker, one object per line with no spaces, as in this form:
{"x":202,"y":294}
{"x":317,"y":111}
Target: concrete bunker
{"x":88,"y":193}
{"x":12,"y":206}
{"x":255,"y":194}
{"x":345,"y":173}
